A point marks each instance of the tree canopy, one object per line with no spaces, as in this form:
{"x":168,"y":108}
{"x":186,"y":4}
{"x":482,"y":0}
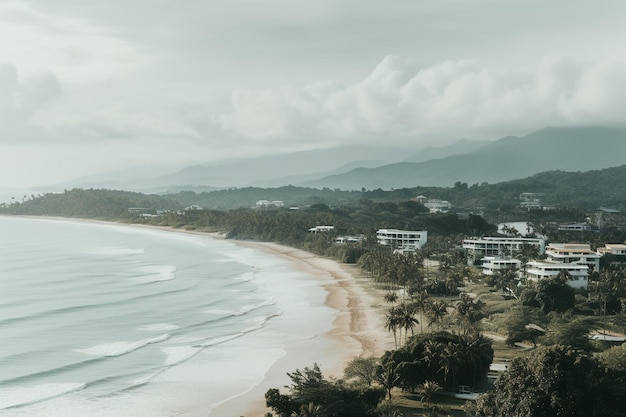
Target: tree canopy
{"x":556,"y":381}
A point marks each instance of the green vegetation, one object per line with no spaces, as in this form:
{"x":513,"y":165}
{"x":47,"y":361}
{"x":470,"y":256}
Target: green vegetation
{"x":438,"y":306}
{"x":555,"y":381}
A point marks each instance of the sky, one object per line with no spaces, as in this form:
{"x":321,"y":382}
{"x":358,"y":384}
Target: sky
{"x":96,"y":86}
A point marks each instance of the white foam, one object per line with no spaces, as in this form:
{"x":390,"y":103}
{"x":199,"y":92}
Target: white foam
{"x":178,"y":354}
{"x":219,"y":311}
{"x":159,"y":327}
{"x":15,"y":396}
{"x":120,"y":348}
{"x":155,"y":273}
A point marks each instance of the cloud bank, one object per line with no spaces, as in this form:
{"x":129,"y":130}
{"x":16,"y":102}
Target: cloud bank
{"x":453,"y":98}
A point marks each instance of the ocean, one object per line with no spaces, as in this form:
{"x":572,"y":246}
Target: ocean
{"x":114,"y":320}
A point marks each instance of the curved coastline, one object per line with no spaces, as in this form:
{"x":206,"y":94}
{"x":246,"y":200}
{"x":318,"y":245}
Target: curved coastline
{"x":357,"y":328}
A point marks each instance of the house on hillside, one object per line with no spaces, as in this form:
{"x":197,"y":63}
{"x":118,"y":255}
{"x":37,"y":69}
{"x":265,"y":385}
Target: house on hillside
{"x":318,"y":229}
{"x":267,"y":203}
{"x":434,"y":205}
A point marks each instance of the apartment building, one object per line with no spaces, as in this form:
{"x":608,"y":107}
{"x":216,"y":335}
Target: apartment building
{"x":573,"y":253}
{"x":402,"y":240}
{"x":579,"y":274}
{"x":478,"y":248}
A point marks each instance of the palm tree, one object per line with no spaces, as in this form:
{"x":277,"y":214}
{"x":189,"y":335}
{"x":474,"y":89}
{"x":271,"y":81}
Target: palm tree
{"x":432,"y":351}
{"x":420,"y":300}
{"x":436,"y":311}
{"x":307,"y":410}
{"x":406,"y":319}
{"x":449,"y":362}
{"x":429,"y":388}
{"x":392,"y":323}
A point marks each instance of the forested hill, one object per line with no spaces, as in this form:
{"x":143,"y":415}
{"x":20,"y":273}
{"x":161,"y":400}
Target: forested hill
{"x":583,"y":190}
{"x":590,"y":189}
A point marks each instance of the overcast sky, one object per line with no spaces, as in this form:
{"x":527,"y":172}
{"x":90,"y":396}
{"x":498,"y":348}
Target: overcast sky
{"x":89,"y":86}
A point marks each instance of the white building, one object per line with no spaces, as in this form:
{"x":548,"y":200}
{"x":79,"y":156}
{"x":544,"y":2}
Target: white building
{"x":573,"y":253}
{"x":478,"y":248}
{"x":317,"y":229}
{"x":491,"y":264}
{"x":574,"y":227}
{"x":438,"y":206}
{"x":267,"y":203}
{"x":402,"y":240}
{"x":613,"y":249}
{"x":349,"y":239}
{"x":433,"y":204}
{"x":536,"y":271}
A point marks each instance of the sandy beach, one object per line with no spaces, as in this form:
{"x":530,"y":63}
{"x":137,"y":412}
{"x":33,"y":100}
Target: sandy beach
{"x":358,"y":327}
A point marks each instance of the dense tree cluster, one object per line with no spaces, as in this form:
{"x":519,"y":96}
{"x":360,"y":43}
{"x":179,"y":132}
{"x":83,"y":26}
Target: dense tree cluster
{"x":556,"y":381}
{"x":310,"y":391}
{"x":445,"y":358}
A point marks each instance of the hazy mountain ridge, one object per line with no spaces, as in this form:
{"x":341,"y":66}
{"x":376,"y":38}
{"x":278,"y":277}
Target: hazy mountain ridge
{"x":567,"y":149}
{"x":265,"y":171}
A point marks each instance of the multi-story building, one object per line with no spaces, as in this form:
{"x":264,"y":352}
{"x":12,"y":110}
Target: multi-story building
{"x":573,"y":253}
{"x":536,"y":271}
{"x":613,"y":249}
{"x":402,"y":240}
{"x":491,"y":264}
{"x":478,"y":248}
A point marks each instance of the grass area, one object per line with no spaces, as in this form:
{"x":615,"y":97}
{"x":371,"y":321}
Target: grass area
{"x":410,"y":405}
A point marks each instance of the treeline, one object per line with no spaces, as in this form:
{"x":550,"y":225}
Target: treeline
{"x":584,"y":190}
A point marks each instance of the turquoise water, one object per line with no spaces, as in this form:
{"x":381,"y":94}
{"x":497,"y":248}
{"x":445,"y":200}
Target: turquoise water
{"x":109,"y":320}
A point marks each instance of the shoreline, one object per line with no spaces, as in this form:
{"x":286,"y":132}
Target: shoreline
{"x":357,"y":328}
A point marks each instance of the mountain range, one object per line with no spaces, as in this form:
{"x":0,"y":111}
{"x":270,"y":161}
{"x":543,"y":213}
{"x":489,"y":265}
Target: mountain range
{"x":356,"y":167}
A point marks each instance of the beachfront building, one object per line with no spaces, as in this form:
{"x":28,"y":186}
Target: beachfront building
{"x":402,"y":240}
{"x":493,"y":264}
{"x":479,"y":248}
{"x":573,"y":253}
{"x":579,"y":274}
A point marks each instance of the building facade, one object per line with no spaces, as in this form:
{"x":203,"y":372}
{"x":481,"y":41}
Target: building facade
{"x":579,"y":274}
{"x":573,"y":253}
{"x":479,"y":248}
{"x":402,"y":240}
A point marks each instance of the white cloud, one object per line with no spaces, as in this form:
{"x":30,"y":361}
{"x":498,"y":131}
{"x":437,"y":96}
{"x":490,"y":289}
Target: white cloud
{"x":454,"y":98}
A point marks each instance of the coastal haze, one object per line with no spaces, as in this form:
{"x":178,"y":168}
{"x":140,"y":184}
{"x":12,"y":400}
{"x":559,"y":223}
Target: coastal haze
{"x":109,"y":87}
{"x":285,"y":110}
